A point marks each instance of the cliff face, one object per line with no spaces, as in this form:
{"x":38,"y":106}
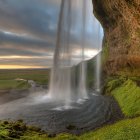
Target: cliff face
{"x":121,"y":22}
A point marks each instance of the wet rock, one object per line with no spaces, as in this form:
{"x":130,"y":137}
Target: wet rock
{"x":51,"y":135}
{"x":121,"y":22}
{"x":71,"y":127}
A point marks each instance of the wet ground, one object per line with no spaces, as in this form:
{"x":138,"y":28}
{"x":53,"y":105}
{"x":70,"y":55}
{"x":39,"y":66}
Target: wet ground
{"x":50,"y":116}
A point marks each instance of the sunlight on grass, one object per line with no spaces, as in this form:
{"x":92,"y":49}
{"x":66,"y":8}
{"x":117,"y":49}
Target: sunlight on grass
{"x":128,"y":97}
{"x":123,"y":130}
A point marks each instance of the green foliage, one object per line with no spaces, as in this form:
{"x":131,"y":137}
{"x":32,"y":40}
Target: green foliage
{"x":13,"y":84}
{"x":7,"y":78}
{"x":113,"y":83}
{"x":126,"y":129}
{"x":126,"y":92}
{"x":128,"y":97}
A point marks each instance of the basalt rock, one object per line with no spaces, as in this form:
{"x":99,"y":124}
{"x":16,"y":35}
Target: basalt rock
{"x":121,"y":22}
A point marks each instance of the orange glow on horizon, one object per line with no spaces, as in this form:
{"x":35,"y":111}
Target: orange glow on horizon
{"x":24,"y":57}
{"x":19,"y":67}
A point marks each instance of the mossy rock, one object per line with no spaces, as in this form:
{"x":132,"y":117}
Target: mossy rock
{"x":125,"y":129}
{"x":126,"y":91}
{"x":128,"y":97}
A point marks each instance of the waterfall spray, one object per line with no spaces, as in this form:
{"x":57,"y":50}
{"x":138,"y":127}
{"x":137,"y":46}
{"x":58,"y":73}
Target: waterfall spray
{"x":60,"y":86}
{"x":98,"y":64}
{"x":83,"y":65}
{"x":63,"y":74}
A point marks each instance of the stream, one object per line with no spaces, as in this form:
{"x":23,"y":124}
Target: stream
{"x":51,"y":117}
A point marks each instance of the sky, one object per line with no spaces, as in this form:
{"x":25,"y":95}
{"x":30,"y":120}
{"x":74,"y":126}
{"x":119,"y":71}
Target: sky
{"x":28,"y":30}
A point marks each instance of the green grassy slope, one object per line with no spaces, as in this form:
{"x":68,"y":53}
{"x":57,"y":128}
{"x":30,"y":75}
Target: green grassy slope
{"x":128,"y":97}
{"x":127,"y":93}
{"x":124,"y":130}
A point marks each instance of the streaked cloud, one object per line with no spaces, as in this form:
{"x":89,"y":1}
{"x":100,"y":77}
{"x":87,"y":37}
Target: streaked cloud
{"x":28,"y":32}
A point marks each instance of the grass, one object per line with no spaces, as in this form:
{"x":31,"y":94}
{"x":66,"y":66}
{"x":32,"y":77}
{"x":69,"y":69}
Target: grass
{"x":127,"y":93}
{"x":7,"y":78}
{"x":125,"y":90}
{"x":128,"y":97}
{"x":13,"y":84}
{"x":113,"y":83}
{"x":123,"y":130}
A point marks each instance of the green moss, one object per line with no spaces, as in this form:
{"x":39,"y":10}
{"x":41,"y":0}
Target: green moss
{"x":126,"y":129}
{"x":113,"y":83}
{"x":128,"y":97}
{"x":126,"y":91}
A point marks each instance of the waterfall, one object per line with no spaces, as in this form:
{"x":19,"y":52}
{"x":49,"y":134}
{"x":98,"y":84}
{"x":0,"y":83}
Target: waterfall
{"x":98,"y":73}
{"x":83,"y":65}
{"x":63,"y":85}
{"x":60,"y":86}
{"x":98,"y":63}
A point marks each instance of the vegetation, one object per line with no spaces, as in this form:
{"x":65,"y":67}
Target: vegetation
{"x":123,"y":130}
{"x":125,"y":90}
{"x":127,"y":93}
{"x":113,"y":83}
{"x":128,"y":97}
{"x":126,"y":129}
{"x":8,"y":78}
{"x":13,"y":84}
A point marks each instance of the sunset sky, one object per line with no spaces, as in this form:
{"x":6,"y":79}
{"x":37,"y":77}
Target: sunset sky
{"x":28,"y":32}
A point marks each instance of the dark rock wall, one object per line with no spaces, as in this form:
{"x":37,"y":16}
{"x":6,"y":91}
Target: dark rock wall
{"x":121,"y":22}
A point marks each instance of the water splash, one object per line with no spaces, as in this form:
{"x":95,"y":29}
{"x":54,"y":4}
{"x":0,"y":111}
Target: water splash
{"x":83,"y":65}
{"x":64,"y":74}
{"x":98,"y":63}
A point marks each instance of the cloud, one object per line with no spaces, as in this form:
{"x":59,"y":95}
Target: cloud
{"x":29,"y":16}
{"x":29,"y":28}
{"x":17,"y":44}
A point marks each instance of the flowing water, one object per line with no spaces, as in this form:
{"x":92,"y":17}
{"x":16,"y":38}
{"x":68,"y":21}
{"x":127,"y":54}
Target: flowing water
{"x":62,"y":74}
{"x":98,"y":63}
{"x":76,"y":44}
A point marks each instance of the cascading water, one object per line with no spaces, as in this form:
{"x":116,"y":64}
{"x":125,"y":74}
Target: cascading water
{"x":98,"y":63}
{"x":83,"y":65}
{"x":60,"y":86}
{"x":79,"y":39}
{"x":63,"y":74}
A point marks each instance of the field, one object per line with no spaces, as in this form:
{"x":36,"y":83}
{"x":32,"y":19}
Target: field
{"x":18,"y":79}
